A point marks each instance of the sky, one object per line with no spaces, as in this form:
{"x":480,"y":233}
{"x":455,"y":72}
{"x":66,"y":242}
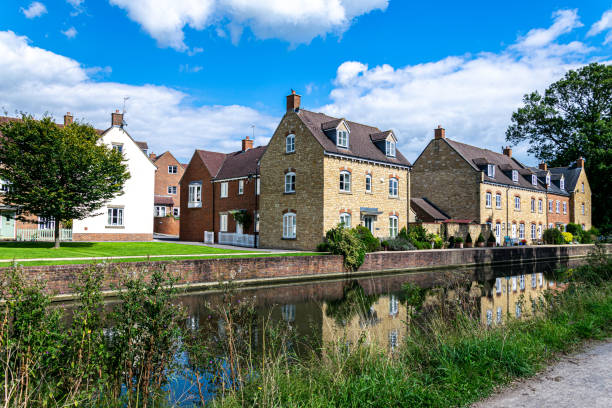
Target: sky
{"x":206,"y":73}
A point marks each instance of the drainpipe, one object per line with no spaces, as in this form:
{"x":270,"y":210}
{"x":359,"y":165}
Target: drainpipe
{"x":507,"y":213}
{"x":213,"y":212}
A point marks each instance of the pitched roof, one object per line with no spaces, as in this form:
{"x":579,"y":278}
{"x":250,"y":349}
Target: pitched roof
{"x":422,"y":204}
{"x":555,"y":185}
{"x":212,"y":160}
{"x":142,"y":145}
{"x":360,"y":143}
{"x":240,"y":164}
{"x":477,"y":156}
{"x":163,"y":200}
{"x":380,"y":136}
{"x":571,"y":176}
{"x":5,"y":119}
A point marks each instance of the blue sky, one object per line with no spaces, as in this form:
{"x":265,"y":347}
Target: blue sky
{"x":199,"y":73}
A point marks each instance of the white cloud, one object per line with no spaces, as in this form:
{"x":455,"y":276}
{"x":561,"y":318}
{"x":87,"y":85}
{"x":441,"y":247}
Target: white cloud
{"x":472,"y":96}
{"x":36,"y":81}
{"x":297,"y":21}
{"x":36,"y":9}
{"x":605,"y":23}
{"x":70,"y":33}
{"x":190,"y":68}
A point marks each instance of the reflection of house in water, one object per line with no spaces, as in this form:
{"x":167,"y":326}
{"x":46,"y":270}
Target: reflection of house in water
{"x":514,"y":296}
{"x":383,"y":323}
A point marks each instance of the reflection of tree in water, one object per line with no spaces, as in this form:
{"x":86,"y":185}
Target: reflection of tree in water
{"x":354,"y":301}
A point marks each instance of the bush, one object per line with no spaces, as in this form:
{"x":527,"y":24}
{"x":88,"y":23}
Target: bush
{"x":399,"y":244}
{"x":344,"y":241}
{"x":552,"y":236}
{"x":480,"y":238}
{"x":468,"y":239}
{"x":567,"y":237}
{"x":438,"y":242}
{"x":451,"y":241}
{"x":458,"y":240}
{"x":370,"y":242}
{"x":491,"y":238}
{"x":323,"y":246}
{"x":574,"y":229}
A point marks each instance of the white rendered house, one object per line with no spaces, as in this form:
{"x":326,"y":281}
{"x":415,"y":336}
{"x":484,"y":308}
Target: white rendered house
{"x":129,"y":216}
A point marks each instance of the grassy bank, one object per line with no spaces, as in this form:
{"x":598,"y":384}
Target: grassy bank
{"x":449,"y":358}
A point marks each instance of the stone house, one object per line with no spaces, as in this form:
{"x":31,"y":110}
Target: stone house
{"x":218,"y":186}
{"x":318,"y":171}
{"x":577,"y":185}
{"x":167,"y":193}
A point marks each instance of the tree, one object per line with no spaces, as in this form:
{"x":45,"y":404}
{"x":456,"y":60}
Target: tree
{"x":60,"y":173}
{"x":572,"y":119}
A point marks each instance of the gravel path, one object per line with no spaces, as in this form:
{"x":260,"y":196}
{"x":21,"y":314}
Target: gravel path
{"x":580,"y":380}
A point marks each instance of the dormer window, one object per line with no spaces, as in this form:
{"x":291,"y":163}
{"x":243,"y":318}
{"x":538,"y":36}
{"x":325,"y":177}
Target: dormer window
{"x":390,"y":148}
{"x":491,"y":170}
{"x":534,"y":179}
{"x":342,"y":139}
{"x":562,"y":184}
{"x":547,"y":179}
{"x":515,"y":176}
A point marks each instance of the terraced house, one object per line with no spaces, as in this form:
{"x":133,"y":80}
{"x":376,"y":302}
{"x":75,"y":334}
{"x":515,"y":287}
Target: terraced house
{"x":467,"y":182}
{"x":318,"y":171}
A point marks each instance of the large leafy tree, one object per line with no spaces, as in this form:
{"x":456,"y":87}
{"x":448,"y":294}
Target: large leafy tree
{"x":55,"y":172}
{"x":572,"y":119}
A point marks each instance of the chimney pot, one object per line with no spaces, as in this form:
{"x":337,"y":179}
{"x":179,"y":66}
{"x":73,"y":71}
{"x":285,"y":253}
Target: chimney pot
{"x":580,"y":162}
{"x":507,"y":151}
{"x":247,"y":144}
{"x":152,"y":156}
{"x":439,"y":133}
{"x":293,"y":102}
{"x":543,"y":166}
{"x":68,"y":119}
{"x":117,"y":118}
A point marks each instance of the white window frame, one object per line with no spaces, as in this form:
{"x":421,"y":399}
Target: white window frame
{"x":240,"y":187}
{"x":257,"y":186}
{"x":393,"y":305}
{"x":290,"y":182}
{"x":534,"y":180}
{"x":4,"y":186}
{"x":550,"y":206}
{"x":539,"y":231}
{"x":488,"y":199}
{"x":342,"y":139}
{"x":540,"y":206}
{"x":562,"y":184}
{"x":547,"y":179}
{"x":513,"y":229}
{"x":517,"y":203}
{"x":522,"y":282}
{"x":513,"y":280}
{"x":498,"y":318}
{"x":224,"y":189}
{"x":521,"y":231}
{"x":390,"y":148}
{"x":393,"y":226}
{"x":518,"y":309}
{"x":45,"y":223}
{"x":534,"y":283}
{"x":160,"y":211}
{"x":223,"y":222}
{"x":393,"y":187}
{"x":345,"y":219}
{"x":583,"y":208}
{"x":172,"y":169}
{"x":172,"y":190}
{"x":176,"y":211}
{"x":256,"y":226}
{"x":368,"y":183}
{"x":118,"y":147}
{"x":498,"y":200}
{"x":290,"y":143}
{"x":558,"y":206}
{"x":289,"y":225}
{"x":515,"y":176}
{"x":533,"y":204}
{"x":533,"y":231}
{"x":345,"y":181}
{"x":498,"y":285}
{"x":582,"y":189}
{"x":115,"y":217}
{"x":489,"y":317}
{"x":564,"y":207}
{"x":195,"y":195}
{"x":491,"y":170}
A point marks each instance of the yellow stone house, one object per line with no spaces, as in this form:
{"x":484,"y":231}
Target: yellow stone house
{"x":319,"y":171}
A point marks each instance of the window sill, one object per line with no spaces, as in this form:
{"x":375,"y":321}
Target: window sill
{"x":293,"y":152}
{"x":369,"y":192}
{"x":488,"y":206}
{"x":289,"y":192}
{"x":288,"y":239}
{"x":194,"y":205}
{"x":393,"y":197}
{"x":345,"y":192}
{"x":115,"y":226}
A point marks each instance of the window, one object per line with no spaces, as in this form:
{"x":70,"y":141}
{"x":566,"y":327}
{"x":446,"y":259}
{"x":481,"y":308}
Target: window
{"x":46,"y":223}
{"x":498,"y":318}
{"x":393,"y":336}
{"x":289,"y":225}
{"x":172,"y":169}
{"x":257,"y":186}
{"x":390,"y":148}
{"x":534,"y":283}
{"x":256,"y":221}
{"x":488,"y":200}
{"x":498,"y":285}
{"x":345,"y":181}
{"x":582,"y":206}
{"x":562,"y":184}
{"x":342,"y":139}
{"x":515,"y":176}
{"x":290,"y":182}
{"x":240,"y":186}
{"x":223,"y":222}
{"x":345,"y":219}
{"x":564,"y":208}
{"x":489,"y":317}
{"x":491,"y":170}
{"x":160,"y":210}
{"x":290,"y":144}
{"x":513,"y":231}
{"x":550,"y":206}
{"x":550,"y":225}
{"x":557,"y":206}
{"x":534,"y":179}
{"x":224,"y":189}
{"x":288,"y":313}
{"x":539,"y":231}
{"x":171,"y":189}
{"x":368,"y":184}
{"x":540,"y":279}
{"x":582,"y":187}
{"x":521,"y":231}
{"x":115,"y":217}
{"x":118,"y":147}
{"x":195,"y":195}
{"x":533,"y":205}
{"x":522,"y":282}
{"x":393,"y":221}
{"x":540,"y":205}
{"x":533,"y":231}
{"x":176,"y":211}
{"x":547,"y":179}
{"x":393,"y":187}
{"x":513,"y":283}
{"x":518,"y":309}
{"x":517,"y":203}
{"x":4,"y":186}
{"x":498,"y":200}
{"x":393,"y":305}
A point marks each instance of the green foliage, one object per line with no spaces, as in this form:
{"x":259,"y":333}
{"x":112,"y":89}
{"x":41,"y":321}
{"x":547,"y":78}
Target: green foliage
{"x":354,"y":301}
{"x":491,"y":238}
{"x":468,"y":238}
{"x":370,"y":242}
{"x":552,"y":236}
{"x":345,"y":241}
{"x":573,"y":118}
{"x":574,"y":229}
{"x":61,"y":173}
{"x":243,"y":218}
{"x":480,"y":238}
{"x":458,"y":240}
{"x":399,"y":243}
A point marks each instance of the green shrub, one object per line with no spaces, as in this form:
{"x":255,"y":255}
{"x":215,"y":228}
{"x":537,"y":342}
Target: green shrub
{"x":344,"y":241}
{"x":323,"y":246}
{"x":574,"y":229}
{"x":491,"y":238}
{"x":451,"y":241}
{"x":370,"y":242}
{"x":438,"y":242}
{"x":468,"y":239}
{"x":480,"y":238}
{"x":399,"y":244}
{"x":458,"y":240}
{"x":422,"y":245}
{"x":552,"y":236}
{"x":567,"y":237}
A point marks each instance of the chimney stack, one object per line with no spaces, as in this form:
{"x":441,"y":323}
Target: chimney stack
{"x":68,"y":119}
{"x":293,"y":102}
{"x":507,"y":151}
{"x":439,"y":133}
{"x":152,"y":156}
{"x":117,"y":118}
{"x":247,"y":144}
{"x":543,"y":166}
{"x":580,"y":162}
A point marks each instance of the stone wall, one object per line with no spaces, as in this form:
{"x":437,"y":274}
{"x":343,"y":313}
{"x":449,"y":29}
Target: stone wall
{"x":446,"y":230}
{"x":577,"y":199}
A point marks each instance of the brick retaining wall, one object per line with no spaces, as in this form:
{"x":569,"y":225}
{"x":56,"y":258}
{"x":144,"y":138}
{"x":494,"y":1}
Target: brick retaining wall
{"x":274,"y":269}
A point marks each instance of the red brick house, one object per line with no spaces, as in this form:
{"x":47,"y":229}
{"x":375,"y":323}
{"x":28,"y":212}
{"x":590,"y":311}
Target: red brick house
{"x":167,"y":193}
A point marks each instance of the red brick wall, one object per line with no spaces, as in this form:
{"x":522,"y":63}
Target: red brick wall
{"x":194,"y":221}
{"x":166,"y":225}
{"x":111,"y":236}
{"x":246,"y":201}
{"x":553,"y":217}
{"x":163,"y":179}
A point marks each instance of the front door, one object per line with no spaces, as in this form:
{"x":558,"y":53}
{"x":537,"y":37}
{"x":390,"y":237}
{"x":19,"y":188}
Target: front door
{"x":498,"y":233}
{"x":368,"y":223}
{"x":7,"y":224}
{"x":238,"y":228}
{"x":513,"y":231}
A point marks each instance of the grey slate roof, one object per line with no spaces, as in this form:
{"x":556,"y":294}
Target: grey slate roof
{"x":360,"y":143}
{"x":555,"y":185}
{"x":241,"y":164}
{"x":571,"y":176}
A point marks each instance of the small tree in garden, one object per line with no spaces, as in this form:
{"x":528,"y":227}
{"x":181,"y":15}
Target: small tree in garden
{"x":58,"y":173}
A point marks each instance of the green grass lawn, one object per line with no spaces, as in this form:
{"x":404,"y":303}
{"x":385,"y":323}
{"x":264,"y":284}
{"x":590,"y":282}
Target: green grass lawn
{"x":23,"y":250}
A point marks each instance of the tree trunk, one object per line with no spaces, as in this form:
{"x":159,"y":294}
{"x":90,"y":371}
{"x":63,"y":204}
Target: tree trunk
{"x":57,"y":234}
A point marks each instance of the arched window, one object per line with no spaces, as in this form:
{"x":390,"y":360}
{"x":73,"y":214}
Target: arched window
{"x":345,"y":181}
{"x":345,"y":219}
{"x":289,"y":225}
{"x":393,"y":187}
{"x":368,"y":183}
{"x":290,"y":182}
{"x":290,"y":143}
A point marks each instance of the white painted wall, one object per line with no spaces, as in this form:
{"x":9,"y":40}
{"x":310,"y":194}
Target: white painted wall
{"x":137,"y":198}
